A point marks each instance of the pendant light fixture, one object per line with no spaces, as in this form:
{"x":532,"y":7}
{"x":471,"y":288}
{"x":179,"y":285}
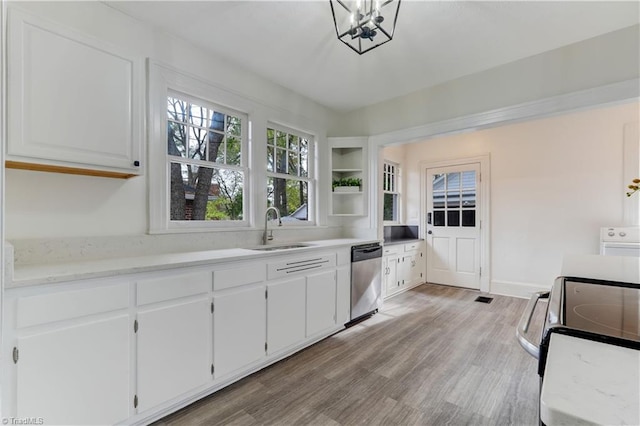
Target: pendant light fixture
{"x":364,"y":24}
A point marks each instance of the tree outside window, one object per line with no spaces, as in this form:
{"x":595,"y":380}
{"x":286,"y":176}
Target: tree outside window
{"x":207,"y":172}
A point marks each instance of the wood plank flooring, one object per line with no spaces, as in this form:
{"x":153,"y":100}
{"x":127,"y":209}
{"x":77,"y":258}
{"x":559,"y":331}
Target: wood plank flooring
{"x":432,"y":356}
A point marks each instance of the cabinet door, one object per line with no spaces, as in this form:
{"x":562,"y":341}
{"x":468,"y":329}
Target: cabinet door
{"x":321,"y":302}
{"x":174,"y":351}
{"x":76,"y":375}
{"x":285,"y":314}
{"x":239,"y":332}
{"x":392,"y":277}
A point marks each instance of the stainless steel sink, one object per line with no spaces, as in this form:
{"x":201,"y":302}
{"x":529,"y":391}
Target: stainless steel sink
{"x":280,"y":247}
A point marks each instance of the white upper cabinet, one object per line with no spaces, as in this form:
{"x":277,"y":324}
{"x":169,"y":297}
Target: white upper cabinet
{"x":74,"y":102}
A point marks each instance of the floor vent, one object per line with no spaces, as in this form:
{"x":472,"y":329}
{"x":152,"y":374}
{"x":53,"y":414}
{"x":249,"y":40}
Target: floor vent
{"x":484,"y":299}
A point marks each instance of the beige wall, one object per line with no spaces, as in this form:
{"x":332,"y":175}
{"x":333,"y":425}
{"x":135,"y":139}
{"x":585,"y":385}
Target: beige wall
{"x":554,"y":183}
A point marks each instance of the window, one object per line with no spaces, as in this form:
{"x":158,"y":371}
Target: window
{"x":454,"y":199}
{"x":205,"y":155}
{"x":290,"y":180}
{"x":390,"y":192}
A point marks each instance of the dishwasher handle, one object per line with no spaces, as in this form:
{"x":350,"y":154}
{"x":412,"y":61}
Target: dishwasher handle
{"x":525,"y":322}
{"x":361,"y":253}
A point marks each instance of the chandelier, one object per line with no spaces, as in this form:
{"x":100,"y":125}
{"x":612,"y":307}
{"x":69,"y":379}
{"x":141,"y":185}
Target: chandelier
{"x":364,"y":24}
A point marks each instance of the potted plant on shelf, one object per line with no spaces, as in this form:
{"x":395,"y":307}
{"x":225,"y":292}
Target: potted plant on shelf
{"x":347,"y":185}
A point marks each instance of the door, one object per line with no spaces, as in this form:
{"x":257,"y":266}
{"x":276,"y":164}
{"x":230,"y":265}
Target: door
{"x":173,"y":351}
{"x":453,"y":225}
{"x":239,"y":332}
{"x":75,"y":375}
{"x":285,"y":314}
{"x":321,"y":302}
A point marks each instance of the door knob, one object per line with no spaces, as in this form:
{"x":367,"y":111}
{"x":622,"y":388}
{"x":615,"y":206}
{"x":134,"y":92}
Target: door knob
{"x":429,"y":232}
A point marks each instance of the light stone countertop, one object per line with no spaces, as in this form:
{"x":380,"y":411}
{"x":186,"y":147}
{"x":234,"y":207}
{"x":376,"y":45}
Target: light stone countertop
{"x":587,"y":382}
{"x":37,"y":274}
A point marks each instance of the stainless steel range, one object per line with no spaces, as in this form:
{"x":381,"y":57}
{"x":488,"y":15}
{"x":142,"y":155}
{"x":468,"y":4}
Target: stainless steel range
{"x":600,"y":312}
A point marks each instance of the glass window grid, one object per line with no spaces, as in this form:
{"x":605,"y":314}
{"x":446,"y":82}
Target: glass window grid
{"x":292,"y":145}
{"x":390,"y":173}
{"x":447,"y":192}
{"x":188,"y":120}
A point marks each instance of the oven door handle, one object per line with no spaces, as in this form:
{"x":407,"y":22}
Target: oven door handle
{"x":525,"y":321}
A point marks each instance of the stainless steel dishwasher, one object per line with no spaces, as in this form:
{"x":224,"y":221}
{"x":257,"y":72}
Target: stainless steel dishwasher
{"x":366,"y":280}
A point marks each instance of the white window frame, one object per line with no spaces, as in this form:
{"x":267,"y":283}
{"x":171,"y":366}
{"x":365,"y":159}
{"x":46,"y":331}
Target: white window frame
{"x":395,"y":188}
{"x":163,"y":82}
{"x":311,"y":178}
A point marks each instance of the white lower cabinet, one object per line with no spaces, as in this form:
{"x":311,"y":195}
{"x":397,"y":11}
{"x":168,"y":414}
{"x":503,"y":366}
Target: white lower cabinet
{"x":68,"y":355}
{"x":174,"y":351}
{"x":285,"y":314}
{"x":321,"y":302}
{"x":173,"y":334}
{"x":239,"y":330}
{"x":403,"y":267}
{"x":76,"y":375}
{"x":130,"y":349}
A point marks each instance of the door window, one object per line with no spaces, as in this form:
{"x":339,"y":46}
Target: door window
{"x":454,"y":199}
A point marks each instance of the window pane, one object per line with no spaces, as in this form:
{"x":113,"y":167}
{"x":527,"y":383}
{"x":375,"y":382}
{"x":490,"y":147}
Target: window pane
{"x":438,"y":200}
{"x":216,"y":147}
{"x":438,"y":183}
{"x":293,"y":142}
{"x":233,"y":151}
{"x":468,"y":199}
{"x":176,"y":135}
{"x":290,"y":197}
{"x":469,"y":180}
{"x":204,"y":193}
{"x":270,"y":158}
{"x":281,"y":160}
{"x":468,"y":218}
{"x":217,"y":121}
{"x":390,"y":207}
{"x":293,"y":163}
{"x":438,"y":218}
{"x":271,"y":136}
{"x":453,"y":217}
{"x":197,"y":143}
{"x":304,"y":158}
{"x":176,"y":109}
{"x":453,"y":199}
{"x":233,"y":125}
{"x":281,"y":139}
{"x":453,"y":180}
{"x":198,"y":116}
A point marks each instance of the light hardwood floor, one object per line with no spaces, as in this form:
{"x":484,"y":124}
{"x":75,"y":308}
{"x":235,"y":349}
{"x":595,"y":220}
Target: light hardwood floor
{"x":432,"y":356}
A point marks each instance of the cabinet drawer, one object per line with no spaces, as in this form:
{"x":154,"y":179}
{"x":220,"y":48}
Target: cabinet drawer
{"x":301,"y":265}
{"x":240,"y":275}
{"x":391,"y":250}
{"x":171,"y":287}
{"x":46,"y":308}
{"x":412,"y":246}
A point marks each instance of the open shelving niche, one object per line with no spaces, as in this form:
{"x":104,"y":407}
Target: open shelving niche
{"x":348,"y":162}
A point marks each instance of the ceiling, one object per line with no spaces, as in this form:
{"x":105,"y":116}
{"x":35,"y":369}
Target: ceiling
{"x":294,"y":44}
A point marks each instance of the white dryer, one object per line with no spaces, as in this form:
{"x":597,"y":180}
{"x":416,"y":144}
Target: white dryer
{"x":620,"y":241}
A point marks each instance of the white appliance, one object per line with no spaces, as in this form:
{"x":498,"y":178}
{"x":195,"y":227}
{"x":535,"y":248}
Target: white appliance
{"x":622,"y":241}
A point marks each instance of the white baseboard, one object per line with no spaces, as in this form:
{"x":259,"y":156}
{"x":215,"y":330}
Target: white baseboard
{"x":516,"y":289}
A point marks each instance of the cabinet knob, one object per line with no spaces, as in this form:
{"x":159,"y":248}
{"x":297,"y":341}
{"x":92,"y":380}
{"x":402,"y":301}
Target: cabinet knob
{"x":136,"y":163}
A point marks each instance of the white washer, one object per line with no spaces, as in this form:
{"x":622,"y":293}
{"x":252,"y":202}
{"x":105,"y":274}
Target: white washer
{"x":622,"y":241}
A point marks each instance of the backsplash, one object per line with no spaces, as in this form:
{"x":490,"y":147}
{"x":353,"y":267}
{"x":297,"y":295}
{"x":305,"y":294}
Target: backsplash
{"x":400,"y":232}
{"x":54,"y":250}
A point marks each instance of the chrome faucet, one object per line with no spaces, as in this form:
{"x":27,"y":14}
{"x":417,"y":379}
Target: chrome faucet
{"x":268,"y":236}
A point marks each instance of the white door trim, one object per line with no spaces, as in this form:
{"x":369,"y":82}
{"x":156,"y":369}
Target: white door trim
{"x":484,"y":195}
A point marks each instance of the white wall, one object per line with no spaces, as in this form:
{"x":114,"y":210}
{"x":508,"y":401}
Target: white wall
{"x":610,"y":58}
{"x":49,"y":205}
{"x":554,"y":183}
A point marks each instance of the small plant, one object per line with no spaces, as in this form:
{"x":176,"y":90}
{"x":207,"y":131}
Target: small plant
{"x":347,"y":182}
{"x":634,"y":187}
